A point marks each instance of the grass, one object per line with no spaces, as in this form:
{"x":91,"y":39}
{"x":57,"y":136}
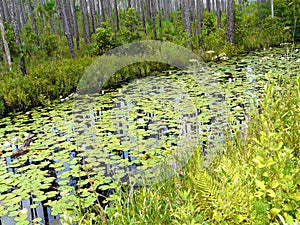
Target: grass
{"x":255,"y":181}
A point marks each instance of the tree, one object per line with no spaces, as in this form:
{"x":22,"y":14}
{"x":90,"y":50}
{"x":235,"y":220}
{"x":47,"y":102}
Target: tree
{"x":218,"y":8}
{"x":208,"y":5}
{"x":85,"y":22}
{"x":143,"y":16}
{"x":76,"y":31}
{"x":117,"y":14}
{"x":33,"y":22}
{"x":272,"y":8}
{"x":61,"y":8}
{"x":16,"y":29}
{"x":186,"y":18}
{"x":102,"y":10}
{"x":5,"y":43}
{"x":22,"y":13}
{"x":200,"y":8}
{"x":153,"y":12}
{"x":159,"y":13}
{"x":5,"y":11}
{"x":230,"y":21}
{"x":93,"y":15}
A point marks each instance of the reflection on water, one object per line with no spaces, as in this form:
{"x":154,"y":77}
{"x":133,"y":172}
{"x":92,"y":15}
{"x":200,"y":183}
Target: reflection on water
{"x":125,"y":135}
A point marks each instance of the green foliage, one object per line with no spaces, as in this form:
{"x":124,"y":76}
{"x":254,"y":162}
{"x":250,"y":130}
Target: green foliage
{"x":49,"y":42}
{"x":13,"y":47}
{"x":104,"y":41}
{"x":30,"y":41}
{"x":131,"y":28}
{"x":49,"y":82}
{"x":256,"y":181}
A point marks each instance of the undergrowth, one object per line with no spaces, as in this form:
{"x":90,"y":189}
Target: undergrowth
{"x":255,"y":181}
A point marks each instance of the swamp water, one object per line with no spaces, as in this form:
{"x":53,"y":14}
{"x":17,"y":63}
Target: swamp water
{"x":132,"y":130}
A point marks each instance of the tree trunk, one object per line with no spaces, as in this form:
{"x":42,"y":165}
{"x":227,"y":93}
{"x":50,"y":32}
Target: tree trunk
{"x":16,"y":29}
{"x":97,"y":5}
{"x":129,"y":4}
{"x":5,"y":44}
{"x":76,"y":31}
{"x":192,"y":9}
{"x":208,"y":5}
{"x":148,"y":8}
{"x":218,"y":13}
{"x":224,"y":5}
{"x":166,"y":10}
{"x":230,"y":21}
{"x":200,"y":8}
{"x":69,"y":17}
{"x":34,"y":27}
{"x":108,"y":8}
{"x":85,"y":22}
{"x":186,"y":19}
{"x":117,"y":15}
{"x":93,"y":15}
{"x":6,"y":14}
{"x":61,"y":8}
{"x":143,"y":16}
{"x":22,"y":10}
{"x":52,"y":24}
{"x":17,"y":14}
{"x":272,"y":8}
{"x":159,"y":13}
{"x":153,"y":9}
{"x":102,"y":10}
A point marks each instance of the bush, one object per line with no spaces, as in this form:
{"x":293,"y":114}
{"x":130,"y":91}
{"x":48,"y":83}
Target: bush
{"x":49,"y":81}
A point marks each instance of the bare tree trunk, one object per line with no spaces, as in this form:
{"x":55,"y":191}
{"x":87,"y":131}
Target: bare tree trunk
{"x":224,"y":7}
{"x":208,"y":5}
{"x":85,"y":22}
{"x":138,"y":9}
{"x":117,"y":15}
{"x":17,"y":14}
{"x":200,"y":8}
{"x":230,"y":21}
{"x":166,"y":10}
{"x":153,"y":9}
{"x":148,"y":8}
{"x":61,"y":8}
{"x":34,"y":27}
{"x":6,"y":14}
{"x":52,"y":24}
{"x":69,"y":16}
{"x":23,"y":15}
{"x":16,"y":29}
{"x":272,"y":8}
{"x":129,"y":4}
{"x":143,"y":16}
{"x":192,"y":9}
{"x":102,"y":10}
{"x":218,"y":13}
{"x":159,"y":13}
{"x":93,"y":15}
{"x":186,"y":19}
{"x":108,"y":8}
{"x":76,"y":31}
{"x":97,"y":5}
{"x":5,"y":44}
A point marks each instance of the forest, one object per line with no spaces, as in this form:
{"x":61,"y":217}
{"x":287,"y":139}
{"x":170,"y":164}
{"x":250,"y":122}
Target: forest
{"x":234,"y":123}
